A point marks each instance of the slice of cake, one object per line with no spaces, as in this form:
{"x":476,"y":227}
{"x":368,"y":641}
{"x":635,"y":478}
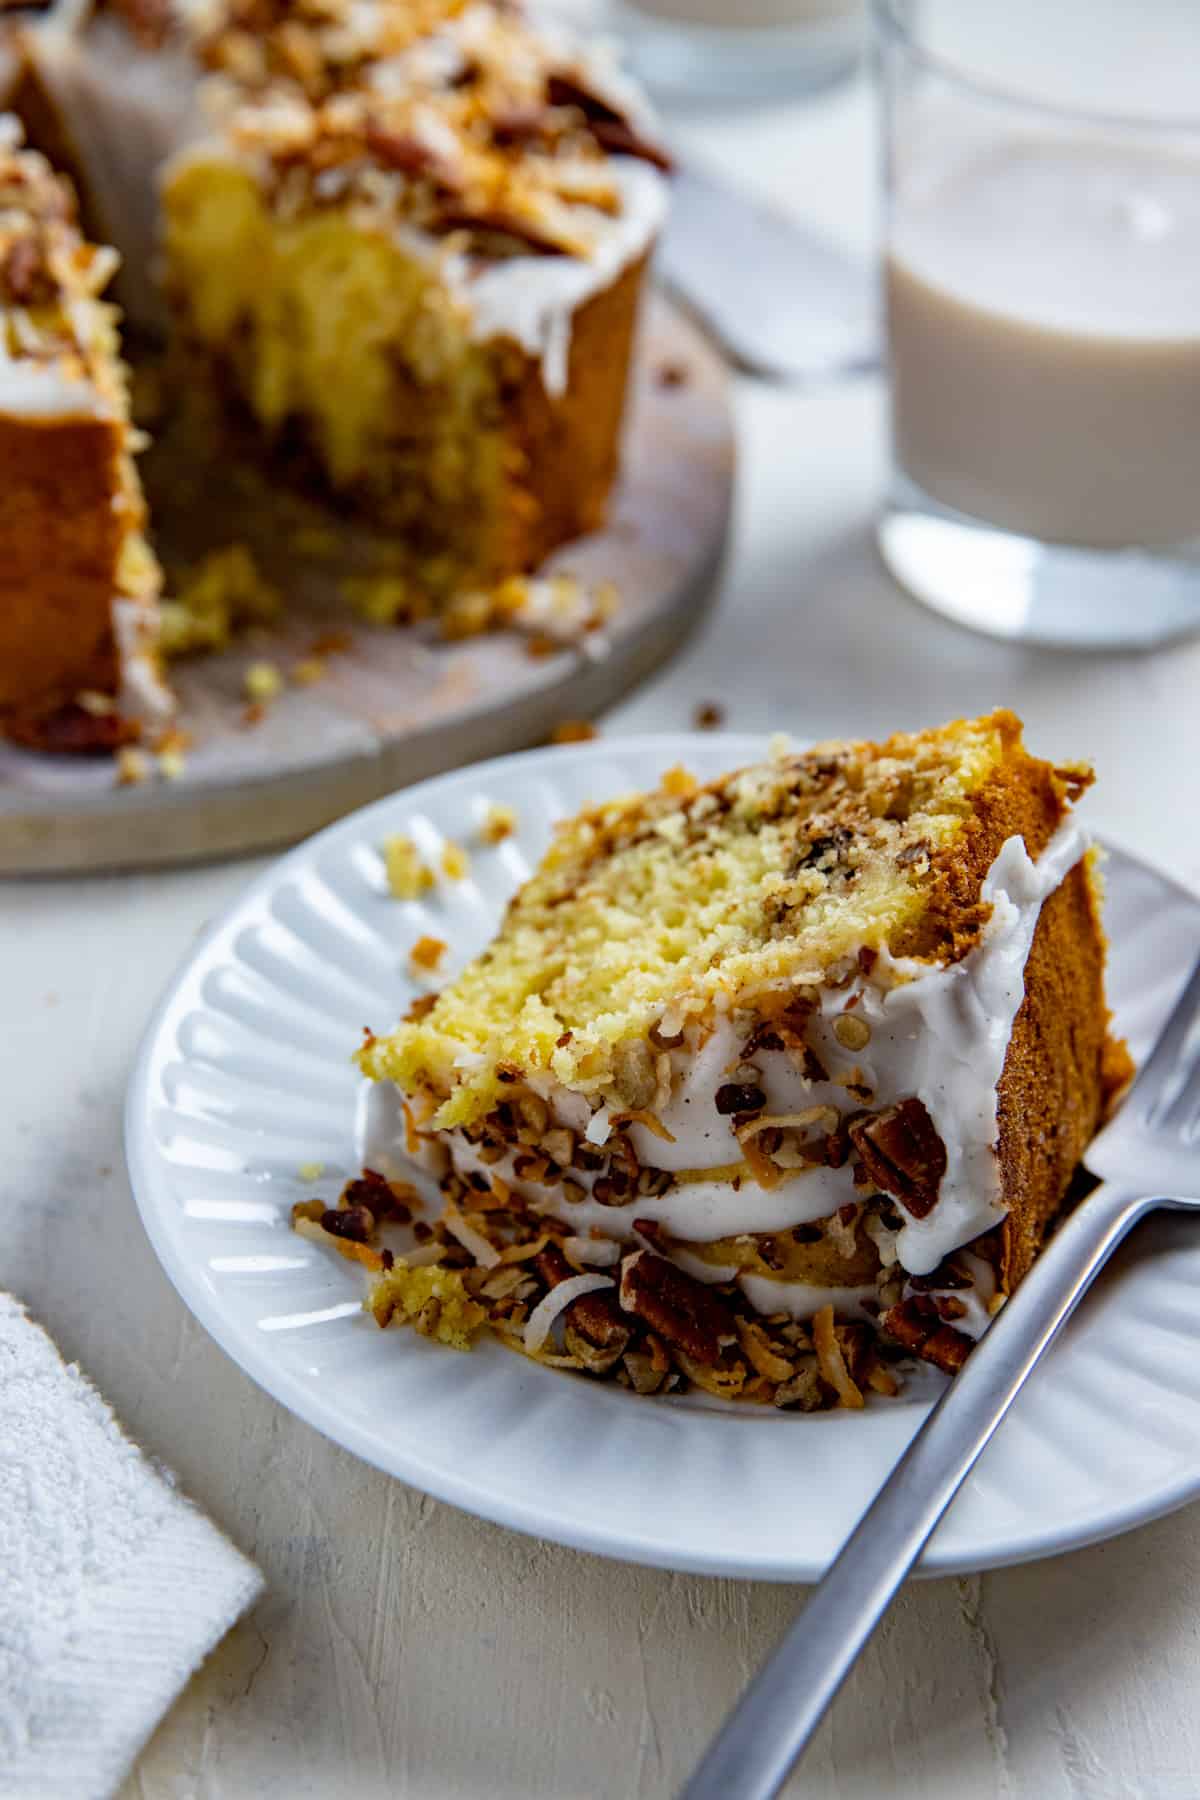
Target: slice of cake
{"x":409,"y":258}
{"x":766,"y":1084}
{"x":79,"y":584}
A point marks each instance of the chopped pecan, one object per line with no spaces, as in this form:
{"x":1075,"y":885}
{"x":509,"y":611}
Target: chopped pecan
{"x":805,"y":1390}
{"x":619,"y":138}
{"x":902,"y":1154}
{"x":519,"y":125}
{"x":917,"y":1327}
{"x":607,"y":124}
{"x":380,"y":1197}
{"x":683,"y":1311}
{"x":402,"y":151}
{"x":354,"y":1222}
{"x":592,"y":1326}
{"x":496,"y":222}
{"x":24,"y":276}
{"x":739,"y":1097}
{"x":914,"y":853}
{"x":825,"y":852}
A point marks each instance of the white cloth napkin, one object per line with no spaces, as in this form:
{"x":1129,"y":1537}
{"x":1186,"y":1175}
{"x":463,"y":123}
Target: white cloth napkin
{"x":113,"y":1588}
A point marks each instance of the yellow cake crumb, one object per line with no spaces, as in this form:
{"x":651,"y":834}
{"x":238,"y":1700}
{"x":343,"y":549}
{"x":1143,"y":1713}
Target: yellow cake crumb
{"x":573,"y":731}
{"x":133,"y":767}
{"x":408,"y":875}
{"x":427,"y":953}
{"x":171,"y":763}
{"x":385,"y":599}
{"x":433,"y":1300}
{"x":311,"y":1171}
{"x":262,"y":681}
{"x":456,"y":863}
{"x":225,"y":592}
{"x":498,"y":823}
{"x":308,"y":671}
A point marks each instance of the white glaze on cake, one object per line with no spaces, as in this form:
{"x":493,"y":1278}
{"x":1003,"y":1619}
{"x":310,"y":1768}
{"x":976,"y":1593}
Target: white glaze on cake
{"x":938,"y":1033}
{"x":532,"y":300}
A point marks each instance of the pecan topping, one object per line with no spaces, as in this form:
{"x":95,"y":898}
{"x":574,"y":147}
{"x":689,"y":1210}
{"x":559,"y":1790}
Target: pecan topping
{"x":379,"y":1197}
{"x":740,"y":1097}
{"x":24,"y":276}
{"x":916,"y":1325}
{"x":354,"y":1222}
{"x":902,"y":1154}
{"x":593,"y":1318}
{"x":679,"y":1309}
{"x":608,"y":126}
{"x":401,"y":150}
{"x":498,"y":222}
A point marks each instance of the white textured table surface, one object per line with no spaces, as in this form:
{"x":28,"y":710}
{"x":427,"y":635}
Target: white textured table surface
{"x":403,"y":1649}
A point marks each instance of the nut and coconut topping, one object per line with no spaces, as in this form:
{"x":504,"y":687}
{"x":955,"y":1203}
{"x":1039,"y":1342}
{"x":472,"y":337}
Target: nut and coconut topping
{"x":467,"y":122}
{"x":490,"y":1261}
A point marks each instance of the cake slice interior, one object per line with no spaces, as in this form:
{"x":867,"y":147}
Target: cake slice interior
{"x":416,"y":282}
{"x":780,"y":1079}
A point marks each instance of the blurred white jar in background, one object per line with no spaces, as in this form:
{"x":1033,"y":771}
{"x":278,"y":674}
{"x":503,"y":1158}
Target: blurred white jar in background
{"x":742,"y":47}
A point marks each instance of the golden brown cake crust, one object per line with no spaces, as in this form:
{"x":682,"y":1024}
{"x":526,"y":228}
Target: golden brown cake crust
{"x":1059,"y":1070}
{"x":564,"y":450}
{"x":62,"y":536}
{"x":1024,"y":797}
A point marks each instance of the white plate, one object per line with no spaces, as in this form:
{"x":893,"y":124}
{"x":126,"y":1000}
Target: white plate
{"x":245,"y":1075}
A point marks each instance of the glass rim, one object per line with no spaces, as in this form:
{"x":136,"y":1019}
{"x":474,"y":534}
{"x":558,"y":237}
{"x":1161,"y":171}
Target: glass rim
{"x":892,"y":28}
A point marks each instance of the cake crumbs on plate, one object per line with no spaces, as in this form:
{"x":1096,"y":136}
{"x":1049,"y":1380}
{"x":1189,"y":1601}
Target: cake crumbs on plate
{"x":262,"y":681}
{"x":456,"y":864}
{"x":427,"y":953}
{"x":709,"y":716}
{"x":573,"y":731}
{"x":308,"y":671}
{"x":225,"y":593}
{"x":133,"y":766}
{"x":408,"y":874}
{"x":498,"y":822}
{"x":311,"y":1171}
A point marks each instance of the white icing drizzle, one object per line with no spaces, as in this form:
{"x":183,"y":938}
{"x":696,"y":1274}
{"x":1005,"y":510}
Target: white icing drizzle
{"x":804,"y":1299}
{"x":143,"y":693}
{"x":977,"y":1298}
{"x":940,"y":1034}
{"x":533,"y":299}
{"x":51,"y":390}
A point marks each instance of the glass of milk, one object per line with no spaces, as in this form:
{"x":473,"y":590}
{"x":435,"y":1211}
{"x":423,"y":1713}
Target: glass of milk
{"x":742,"y":48}
{"x":1042,"y":275}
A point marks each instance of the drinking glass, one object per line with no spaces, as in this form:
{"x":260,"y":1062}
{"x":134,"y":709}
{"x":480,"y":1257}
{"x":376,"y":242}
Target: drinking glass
{"x":1042,"y":278}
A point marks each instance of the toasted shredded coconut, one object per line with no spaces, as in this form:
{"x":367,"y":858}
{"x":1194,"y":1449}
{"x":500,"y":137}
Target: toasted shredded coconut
{"x":541,"y":1319}
{"x":599,"y":1126}
{"x":485,"y":1254}
{"x":603,"y":1252}
{"x":831,"y":1361}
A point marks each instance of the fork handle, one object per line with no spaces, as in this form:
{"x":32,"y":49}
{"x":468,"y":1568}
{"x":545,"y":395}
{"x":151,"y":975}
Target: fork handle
{"x":770,"y":1727}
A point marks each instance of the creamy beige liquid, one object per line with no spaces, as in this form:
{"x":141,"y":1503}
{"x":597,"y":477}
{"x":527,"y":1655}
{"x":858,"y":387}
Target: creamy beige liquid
{"x":1044,"y":315}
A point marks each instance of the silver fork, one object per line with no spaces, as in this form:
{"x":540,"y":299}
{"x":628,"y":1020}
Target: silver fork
{"x":1148,"y":1157}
